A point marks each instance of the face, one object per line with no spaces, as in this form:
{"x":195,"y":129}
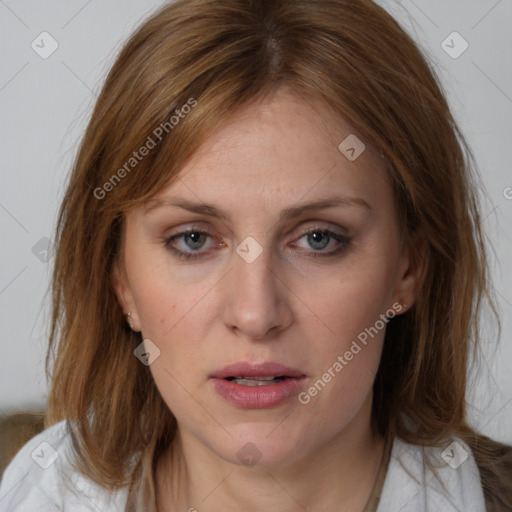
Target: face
{"x":232,"y":271}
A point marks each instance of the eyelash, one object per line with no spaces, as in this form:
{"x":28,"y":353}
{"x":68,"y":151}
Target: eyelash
{"x":184,"y":255}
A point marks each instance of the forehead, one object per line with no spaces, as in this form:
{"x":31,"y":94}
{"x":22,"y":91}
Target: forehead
{"x":280,"y":150}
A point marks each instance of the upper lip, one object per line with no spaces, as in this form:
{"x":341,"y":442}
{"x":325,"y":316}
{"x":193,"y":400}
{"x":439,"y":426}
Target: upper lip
{"x":267,"y":369}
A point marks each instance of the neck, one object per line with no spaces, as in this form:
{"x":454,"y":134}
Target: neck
{"x":339,"y":475}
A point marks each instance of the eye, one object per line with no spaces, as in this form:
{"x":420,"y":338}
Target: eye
{"x":319,"y":239}
{"x":191,"y":242}
{"x":196,"y":243}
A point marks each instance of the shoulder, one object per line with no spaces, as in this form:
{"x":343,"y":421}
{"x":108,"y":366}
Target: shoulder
{"x":427,"y":479}
{"x":41,"y":477}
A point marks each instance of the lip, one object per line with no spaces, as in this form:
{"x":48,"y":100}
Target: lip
{"x":266,"y":369}
{"x":257,"y":397}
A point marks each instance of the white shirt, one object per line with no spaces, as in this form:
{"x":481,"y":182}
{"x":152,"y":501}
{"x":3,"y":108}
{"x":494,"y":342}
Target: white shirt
{"x":40,"y":479}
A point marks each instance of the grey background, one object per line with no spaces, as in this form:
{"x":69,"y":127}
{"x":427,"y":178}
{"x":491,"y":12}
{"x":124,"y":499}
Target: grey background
{"x":45,"y":105}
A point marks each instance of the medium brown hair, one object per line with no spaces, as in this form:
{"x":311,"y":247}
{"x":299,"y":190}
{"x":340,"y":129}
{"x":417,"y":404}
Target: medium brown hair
{"x":356,"y":59}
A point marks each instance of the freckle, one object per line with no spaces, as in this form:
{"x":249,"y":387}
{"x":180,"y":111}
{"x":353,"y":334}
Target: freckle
{"x":166,"y":318}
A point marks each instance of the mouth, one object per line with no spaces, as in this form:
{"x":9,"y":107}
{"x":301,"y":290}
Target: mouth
{"x":255,"y":386}
{"x":257,"y":381}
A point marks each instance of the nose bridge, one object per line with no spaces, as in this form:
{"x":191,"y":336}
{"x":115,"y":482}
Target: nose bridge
{"x":253,"y":271}
{"x":255,"y":303}
{"x":254,"y":262}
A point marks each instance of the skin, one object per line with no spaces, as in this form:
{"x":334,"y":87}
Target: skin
{"x":286,"y":306}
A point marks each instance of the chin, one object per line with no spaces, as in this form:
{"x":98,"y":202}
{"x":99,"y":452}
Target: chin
{"x":260,"y":447}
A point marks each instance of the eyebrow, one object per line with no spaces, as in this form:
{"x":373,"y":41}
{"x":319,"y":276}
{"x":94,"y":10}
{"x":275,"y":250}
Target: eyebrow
{"x":286,"y":214}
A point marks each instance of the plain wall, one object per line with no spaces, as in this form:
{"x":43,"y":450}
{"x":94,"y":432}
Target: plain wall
{"x":46,"y":102}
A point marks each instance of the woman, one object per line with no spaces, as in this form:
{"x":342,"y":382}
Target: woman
{"x":269,"y":270}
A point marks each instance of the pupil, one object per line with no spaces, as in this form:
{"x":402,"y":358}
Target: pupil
{"x":196,"y":240}
{"x":318,"y":236}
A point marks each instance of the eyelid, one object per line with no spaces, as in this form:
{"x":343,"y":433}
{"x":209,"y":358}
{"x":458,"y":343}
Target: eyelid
{"x":328,"y":226}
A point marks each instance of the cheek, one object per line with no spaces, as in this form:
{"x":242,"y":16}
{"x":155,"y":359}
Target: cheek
{"x":171,"y":318}
{"x":165,"y":298}
{"x":343,"y":304}
{"x":343,"y":325}
{"x":344,"y":364}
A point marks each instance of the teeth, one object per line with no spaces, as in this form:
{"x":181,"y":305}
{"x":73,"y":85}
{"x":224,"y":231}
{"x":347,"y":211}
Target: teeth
{"x":260,"y":381}
{"x":255,"y":378}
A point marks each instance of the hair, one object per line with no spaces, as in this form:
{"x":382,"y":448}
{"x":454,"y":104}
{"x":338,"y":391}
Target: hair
{"x":354,"y":58}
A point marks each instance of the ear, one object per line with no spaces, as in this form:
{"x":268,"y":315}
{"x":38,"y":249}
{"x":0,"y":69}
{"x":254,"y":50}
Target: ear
{"x":411,"y":272}
{"x":121,"y":285}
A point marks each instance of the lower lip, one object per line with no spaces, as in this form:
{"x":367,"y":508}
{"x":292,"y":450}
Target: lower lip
{"x":258,"y":397}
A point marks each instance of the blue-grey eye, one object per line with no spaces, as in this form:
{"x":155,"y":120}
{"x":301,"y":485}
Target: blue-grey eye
{"x":318,"y":239}
{"x":196,"y":238}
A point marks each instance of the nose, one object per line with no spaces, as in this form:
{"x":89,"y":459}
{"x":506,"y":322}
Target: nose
{"x":256,"y":301}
